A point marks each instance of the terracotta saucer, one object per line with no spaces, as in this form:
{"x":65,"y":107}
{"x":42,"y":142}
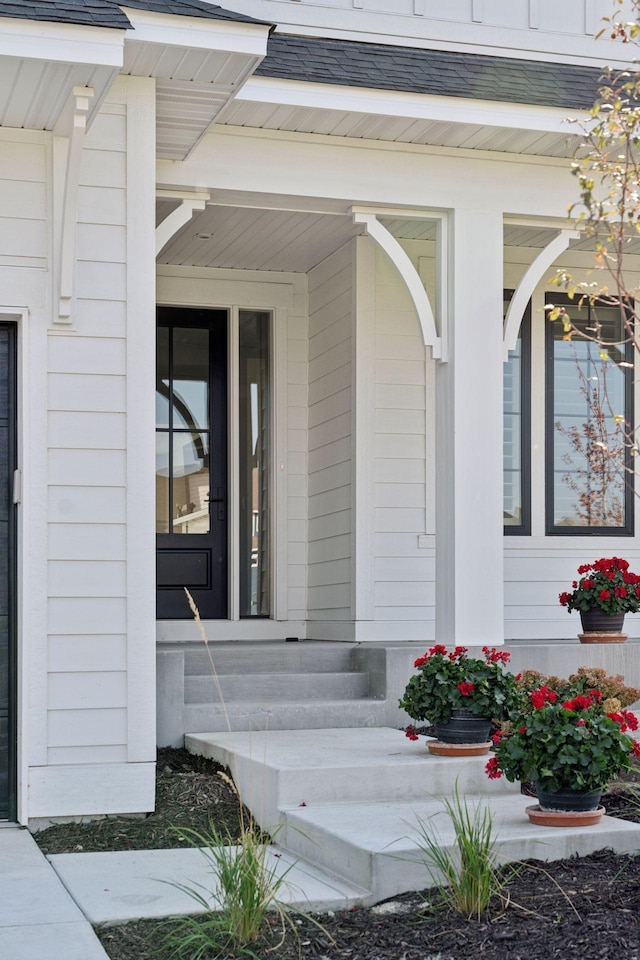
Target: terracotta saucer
{"x":440,"y":749}
{"x":559,"y":818}
{"x":604,"y":637}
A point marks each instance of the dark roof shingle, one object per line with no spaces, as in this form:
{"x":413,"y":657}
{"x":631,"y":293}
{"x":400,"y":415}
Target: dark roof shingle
{"x":436,"y":72}
{"x":107,"y":13}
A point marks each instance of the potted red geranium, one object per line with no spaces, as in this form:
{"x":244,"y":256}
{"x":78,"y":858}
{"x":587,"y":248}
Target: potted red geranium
{"x":605,"y":592}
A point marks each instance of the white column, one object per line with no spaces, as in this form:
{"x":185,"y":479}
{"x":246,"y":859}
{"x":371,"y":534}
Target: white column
{"x":469,"y":498}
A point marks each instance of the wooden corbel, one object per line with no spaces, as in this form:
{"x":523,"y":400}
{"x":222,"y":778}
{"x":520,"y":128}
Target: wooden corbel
{"x":190,"y":204}
{"x":72,"y":127}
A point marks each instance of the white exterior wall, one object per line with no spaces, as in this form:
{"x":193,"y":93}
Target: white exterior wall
{"x":88,"y":698}
{"x":330,"y":437}
{"x":520,"y":28}
{"x":404,"y":542}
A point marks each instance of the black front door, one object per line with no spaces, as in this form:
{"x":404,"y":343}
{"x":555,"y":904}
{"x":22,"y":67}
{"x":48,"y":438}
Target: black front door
{"x":7,"y":572}
{"x":191,"y":461}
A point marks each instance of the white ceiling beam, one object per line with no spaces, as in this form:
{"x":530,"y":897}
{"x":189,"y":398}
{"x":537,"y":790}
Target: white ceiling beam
{"x":530,"y":280}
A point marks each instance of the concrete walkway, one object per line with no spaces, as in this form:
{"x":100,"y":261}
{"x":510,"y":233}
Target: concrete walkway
{"x":38,"y":918}
{"x":351,"y":805}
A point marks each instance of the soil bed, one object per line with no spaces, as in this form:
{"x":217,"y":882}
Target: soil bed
{"x":565,"y":910}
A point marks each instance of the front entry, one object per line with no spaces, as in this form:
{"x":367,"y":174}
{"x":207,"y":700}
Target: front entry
{"x":7,"y":573}
{"x":191,"y":462}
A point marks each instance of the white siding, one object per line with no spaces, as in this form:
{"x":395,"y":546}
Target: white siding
{"x":404,"y":572}
{"x":330,"y":428}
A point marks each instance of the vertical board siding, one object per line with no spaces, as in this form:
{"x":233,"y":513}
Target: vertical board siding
{"x":87,"y":513}
{"x":404,"y":587}
{"x":329,"y":438}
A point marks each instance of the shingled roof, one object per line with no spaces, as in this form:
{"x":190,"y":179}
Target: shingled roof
{"x":436,"y":72}
{"x":108,"y":13}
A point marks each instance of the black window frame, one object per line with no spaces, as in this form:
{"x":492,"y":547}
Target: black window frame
{"x":523,"y":529}
{"x":552,"y":529}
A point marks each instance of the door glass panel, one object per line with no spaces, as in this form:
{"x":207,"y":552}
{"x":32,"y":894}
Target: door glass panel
{"x":190,"y":483}
{"x":162,"y":378}
{"x":255,"y":494}
{"x":163,"y":492}
{"x":190,"y":378}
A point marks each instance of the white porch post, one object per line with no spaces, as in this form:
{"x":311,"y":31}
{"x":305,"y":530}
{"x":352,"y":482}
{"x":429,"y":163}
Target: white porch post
{"x":469,"y":499}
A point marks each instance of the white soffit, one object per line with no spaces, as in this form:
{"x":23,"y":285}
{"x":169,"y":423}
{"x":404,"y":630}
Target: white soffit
{"x":439,"y":133}
{"x":39,"y":69}
{"x":200,"y":65}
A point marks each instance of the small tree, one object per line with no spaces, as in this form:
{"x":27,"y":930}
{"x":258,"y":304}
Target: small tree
{"x":607,"y":169}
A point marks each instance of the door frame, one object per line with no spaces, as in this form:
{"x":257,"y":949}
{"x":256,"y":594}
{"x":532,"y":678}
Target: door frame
{"x":276,"y":305}
{"x":8,"y":320}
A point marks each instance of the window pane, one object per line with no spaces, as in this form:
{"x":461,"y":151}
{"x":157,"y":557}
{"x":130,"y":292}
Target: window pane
{"x":512,"y":454}
{"x":162,"y":483}
{"x":588,"y":482}
{"x":190,"y":512}
{"x":190,"y":378}
{"x":255,"y":549}
{"x":162,"y":378}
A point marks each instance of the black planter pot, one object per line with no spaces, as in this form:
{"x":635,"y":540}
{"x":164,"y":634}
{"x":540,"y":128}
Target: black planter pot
{"x":595,"y":620}
{"x":463,"y":727}
{"x":569,"y":801}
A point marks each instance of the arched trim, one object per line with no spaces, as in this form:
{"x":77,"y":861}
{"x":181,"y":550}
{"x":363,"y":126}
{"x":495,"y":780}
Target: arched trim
{"x":177,"y":219}
{"x":532,"y":277}
{"x":409,"y":274}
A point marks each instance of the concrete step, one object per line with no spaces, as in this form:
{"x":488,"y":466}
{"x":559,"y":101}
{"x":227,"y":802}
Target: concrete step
{"x":278,"y":715}
{"x":276,"y":686}
{"x":378,"y":845}
{"x":280,"y":769}
{"x":353,"y":802}
{"x":266,"y":657}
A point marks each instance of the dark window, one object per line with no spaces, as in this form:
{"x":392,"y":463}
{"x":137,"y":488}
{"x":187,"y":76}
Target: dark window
{"x":589,"y":407}
{"x":517,"y":431}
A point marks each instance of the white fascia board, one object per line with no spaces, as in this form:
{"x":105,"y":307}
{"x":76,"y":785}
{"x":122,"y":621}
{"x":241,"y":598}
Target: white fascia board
{"x":61,"y":42}
{"x":417,"y":106}
{"x":198,"y":33}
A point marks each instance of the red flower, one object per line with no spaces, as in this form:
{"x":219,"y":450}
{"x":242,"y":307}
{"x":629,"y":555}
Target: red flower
{"x":421,"y":661}
{"x":620,"y":591}
{"x":630,"y":719}
{"x":580,"y":702}
{"x":523,"y":729}
{"x":635,"y":749}
{"x":541,"y":696}
{"x":439,"y":648}
{"x":575,"y":584}
{"x":492,"y":769}
{"x":585,"y":568}
{"x":564,"y":598}
{"x":587,"y":584}
{"x":497,"y":737}
{"x":605,"y":594}
{"x":620,"y":720}
{"x":466,"y":688}
{"x":410,"y":732}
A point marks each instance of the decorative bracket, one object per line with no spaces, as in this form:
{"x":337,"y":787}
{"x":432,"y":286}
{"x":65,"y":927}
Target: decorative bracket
{"x":532,"y":277}
{"x":79,"y":104}
{"x":401,"y":261}
{"x":177,"y":218}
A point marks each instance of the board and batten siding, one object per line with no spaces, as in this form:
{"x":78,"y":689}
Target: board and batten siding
{"x":330,"y":438}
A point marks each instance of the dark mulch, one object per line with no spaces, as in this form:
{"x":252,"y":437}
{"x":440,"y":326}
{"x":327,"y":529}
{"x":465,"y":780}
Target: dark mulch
{"x":567,"y":910}
{"x":189,"y":793}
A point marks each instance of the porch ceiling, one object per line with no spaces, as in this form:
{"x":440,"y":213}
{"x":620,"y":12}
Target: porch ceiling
{"x":342,"y":123}
{"x":292,"y":241}
{"x":249,"y":239}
